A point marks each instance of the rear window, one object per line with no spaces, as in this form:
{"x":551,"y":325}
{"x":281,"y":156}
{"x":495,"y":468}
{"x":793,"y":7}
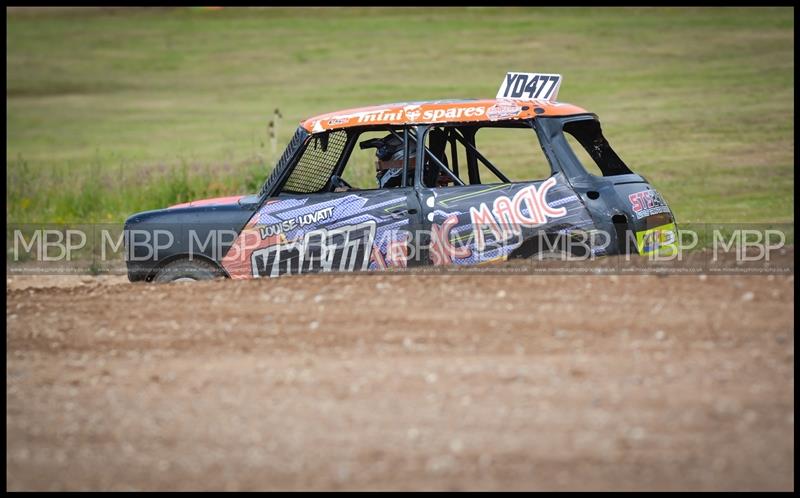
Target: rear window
{"x":592,"y":150}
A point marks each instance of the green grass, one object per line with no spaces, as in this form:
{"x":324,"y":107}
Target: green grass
{"x":110,"y":112}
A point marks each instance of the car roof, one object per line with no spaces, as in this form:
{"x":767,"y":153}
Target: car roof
{"x":439,"y":111}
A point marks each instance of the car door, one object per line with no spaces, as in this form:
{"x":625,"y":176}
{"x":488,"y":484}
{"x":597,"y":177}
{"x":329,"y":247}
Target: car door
{"x":297,"y":232}
{"x":481,"y":223}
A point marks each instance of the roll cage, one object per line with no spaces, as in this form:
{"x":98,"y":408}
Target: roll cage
{"x":549,"y":132}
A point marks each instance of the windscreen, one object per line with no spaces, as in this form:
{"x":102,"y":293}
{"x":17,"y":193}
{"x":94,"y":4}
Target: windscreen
{"x":315,"y":167}
{"x":277,"y":172}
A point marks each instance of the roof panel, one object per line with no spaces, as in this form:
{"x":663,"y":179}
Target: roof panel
{"x":439,"y":111}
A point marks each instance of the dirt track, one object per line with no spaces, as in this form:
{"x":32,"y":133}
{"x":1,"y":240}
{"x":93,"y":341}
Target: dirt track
{"x":403,"y":382}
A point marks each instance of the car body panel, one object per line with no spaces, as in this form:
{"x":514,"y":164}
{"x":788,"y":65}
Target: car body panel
{"x":356,"y":230}
{"x":272,"y":233}
{"x":476,"y":224}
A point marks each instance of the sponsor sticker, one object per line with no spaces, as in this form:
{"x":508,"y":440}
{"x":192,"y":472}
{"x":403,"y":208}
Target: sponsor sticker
{"x":647,"y":203}
{"x":337,"y":121}
{"x":660,"y":239}
{"x":503,"y":109}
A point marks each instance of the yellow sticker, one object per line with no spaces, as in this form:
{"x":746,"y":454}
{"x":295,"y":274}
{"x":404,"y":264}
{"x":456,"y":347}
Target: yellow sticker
{"x":661,"y":238}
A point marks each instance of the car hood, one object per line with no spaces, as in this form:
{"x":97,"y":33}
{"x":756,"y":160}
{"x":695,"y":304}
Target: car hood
{"x":234,"y":209}
{"x":213,"y":201}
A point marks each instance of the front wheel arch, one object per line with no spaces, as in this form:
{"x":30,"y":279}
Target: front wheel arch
{"x":179,"y":257}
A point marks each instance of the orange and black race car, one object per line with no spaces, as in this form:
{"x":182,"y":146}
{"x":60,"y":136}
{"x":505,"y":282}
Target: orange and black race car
{"x":415,"y":183}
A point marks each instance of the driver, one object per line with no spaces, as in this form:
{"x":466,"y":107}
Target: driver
{"x":389,"y":165}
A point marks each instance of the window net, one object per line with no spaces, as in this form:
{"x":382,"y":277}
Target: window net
{"x":274,"y":177}
{"x":316,"y":166}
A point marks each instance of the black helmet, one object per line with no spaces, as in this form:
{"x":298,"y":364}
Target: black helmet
{"x":390,"y":158}
{"x":389,"y":148}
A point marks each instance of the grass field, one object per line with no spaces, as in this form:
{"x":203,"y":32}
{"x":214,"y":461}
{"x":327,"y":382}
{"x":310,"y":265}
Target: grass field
{"x":110,"y":112}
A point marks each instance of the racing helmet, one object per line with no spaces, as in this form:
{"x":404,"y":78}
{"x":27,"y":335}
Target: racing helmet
{"x":390,"y":153}
{"x":390,"y":150}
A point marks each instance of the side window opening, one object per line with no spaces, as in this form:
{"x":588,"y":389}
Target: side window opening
{"x":376,"y":159}
{"x":592,"y":150}
{"x":515,"y":150}
{"x":317,"y":163}
{"x":488,"y":154}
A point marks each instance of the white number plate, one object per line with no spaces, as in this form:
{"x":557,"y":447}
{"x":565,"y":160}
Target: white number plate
{"x":530,"y":86}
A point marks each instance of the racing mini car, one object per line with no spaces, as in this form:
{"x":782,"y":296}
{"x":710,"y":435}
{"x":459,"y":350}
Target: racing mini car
{"x":417,"y":183}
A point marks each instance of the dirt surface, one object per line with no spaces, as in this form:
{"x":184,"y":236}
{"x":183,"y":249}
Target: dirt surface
{"x":382,"y":381}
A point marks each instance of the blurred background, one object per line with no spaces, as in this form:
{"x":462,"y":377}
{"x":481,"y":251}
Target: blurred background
{"x":113,"y":111}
